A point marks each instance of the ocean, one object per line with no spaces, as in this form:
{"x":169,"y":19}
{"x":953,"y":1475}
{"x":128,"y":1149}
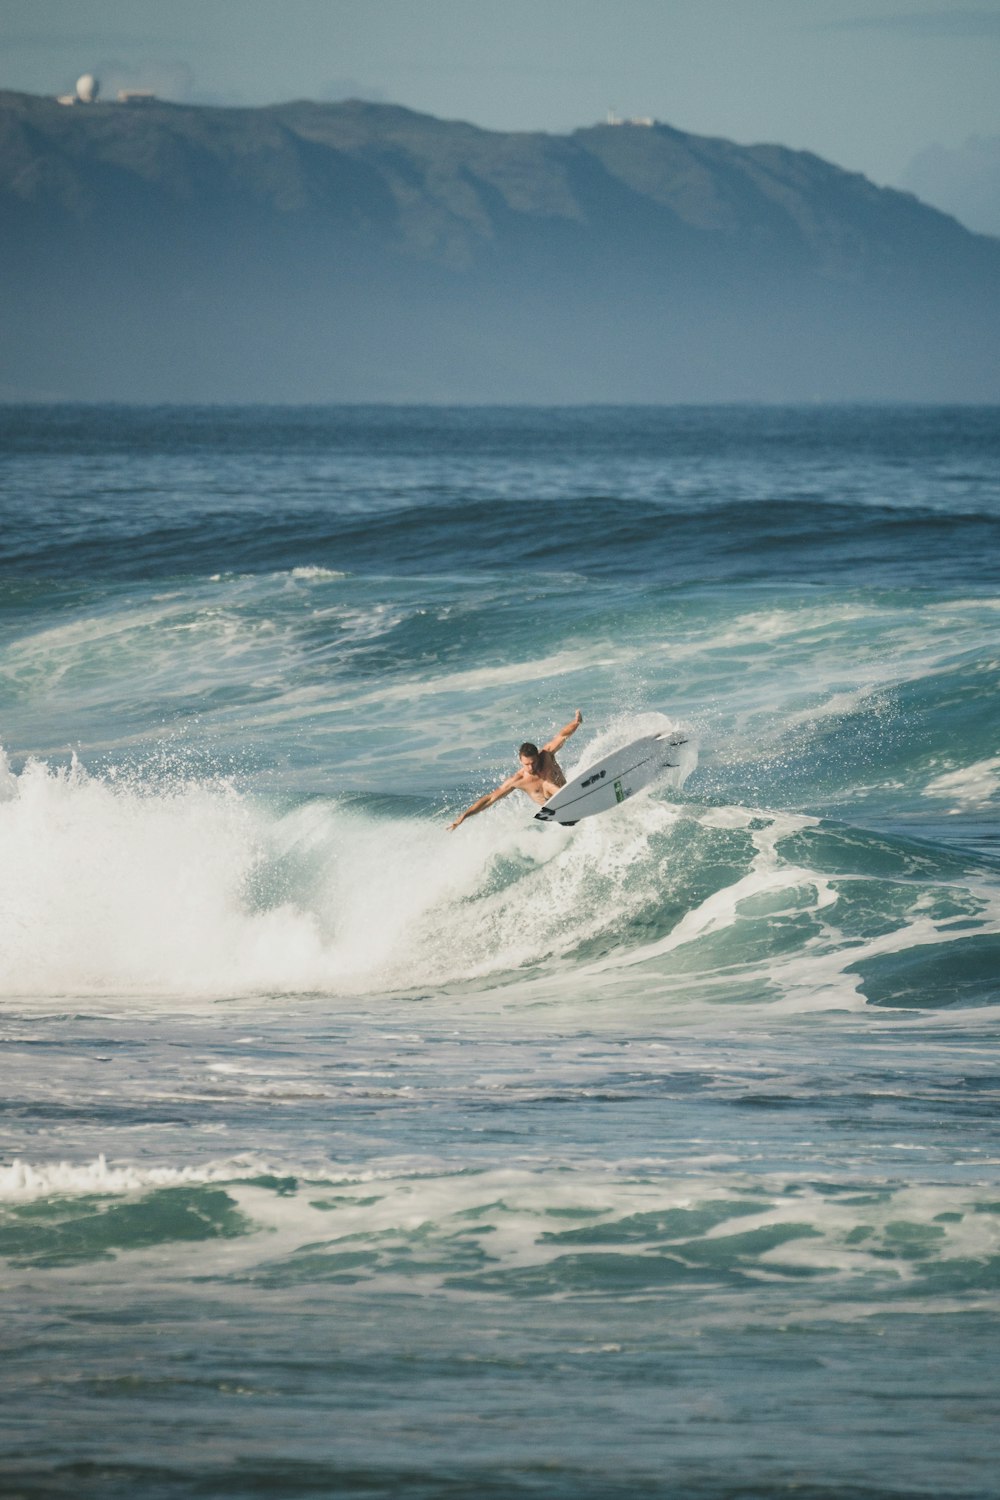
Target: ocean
{"x":343,"y":1155}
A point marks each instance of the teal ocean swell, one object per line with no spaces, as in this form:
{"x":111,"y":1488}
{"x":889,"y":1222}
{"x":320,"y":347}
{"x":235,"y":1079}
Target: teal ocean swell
{"x":345,"y":1155}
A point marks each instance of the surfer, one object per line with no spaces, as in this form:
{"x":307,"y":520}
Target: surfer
{"x":540,"y":774}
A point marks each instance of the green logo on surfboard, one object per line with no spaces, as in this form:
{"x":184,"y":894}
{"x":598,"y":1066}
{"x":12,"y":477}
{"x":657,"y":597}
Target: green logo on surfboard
{"x":619,"y":794}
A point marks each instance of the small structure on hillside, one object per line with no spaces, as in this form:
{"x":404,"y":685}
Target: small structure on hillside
{"x":87,"y":90}
{"x":614,"y":119}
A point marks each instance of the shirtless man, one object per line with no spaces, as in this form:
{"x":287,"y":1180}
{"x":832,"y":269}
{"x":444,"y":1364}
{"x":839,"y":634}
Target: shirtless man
{"x":540,"y":775}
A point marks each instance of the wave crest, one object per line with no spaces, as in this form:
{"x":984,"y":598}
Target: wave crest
{"x":115,"y":884}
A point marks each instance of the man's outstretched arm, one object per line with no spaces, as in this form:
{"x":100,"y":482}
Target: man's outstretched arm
{"x":557,"y":741}
{"x":487,"y":801}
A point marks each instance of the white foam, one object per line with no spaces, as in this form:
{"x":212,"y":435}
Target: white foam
{"x":315,"y":574}
{"x":837,"y":706}
{"x":179,"y":643}
{"x":969,"y":787}
{"x":361,"y":623}
{"x":519,"y":1214}
{"x":719,"y":911}
{"x":22,"y":1182}
{"x":8,"y":781}
{"x":477,"y":679}
{"x":765,"y":626}
{"x":109,"y":886}
{"x":189,"y":888}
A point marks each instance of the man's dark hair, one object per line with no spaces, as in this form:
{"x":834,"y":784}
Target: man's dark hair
{"x":529,"y":749}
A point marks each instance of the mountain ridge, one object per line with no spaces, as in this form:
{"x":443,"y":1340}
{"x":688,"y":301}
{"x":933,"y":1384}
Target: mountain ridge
{"x":366,"y":251}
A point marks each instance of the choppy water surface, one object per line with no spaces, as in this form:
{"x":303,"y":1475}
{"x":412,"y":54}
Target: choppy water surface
{"x":344,"y":1155}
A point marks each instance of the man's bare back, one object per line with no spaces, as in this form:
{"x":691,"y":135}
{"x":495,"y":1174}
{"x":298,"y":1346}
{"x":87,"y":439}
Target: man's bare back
{"x":540,"y":775}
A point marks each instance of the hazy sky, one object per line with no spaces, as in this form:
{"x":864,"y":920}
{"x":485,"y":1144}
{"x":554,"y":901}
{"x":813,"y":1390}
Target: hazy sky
{"x":865,"y":83}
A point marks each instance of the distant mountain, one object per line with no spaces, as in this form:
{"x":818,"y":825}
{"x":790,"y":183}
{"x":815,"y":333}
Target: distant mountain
{"x":962,"y":180}
{"x":359,"y":251}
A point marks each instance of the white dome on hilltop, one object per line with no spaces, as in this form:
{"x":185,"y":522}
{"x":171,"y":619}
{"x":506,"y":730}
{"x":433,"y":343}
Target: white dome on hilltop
{"x":87,"y":88}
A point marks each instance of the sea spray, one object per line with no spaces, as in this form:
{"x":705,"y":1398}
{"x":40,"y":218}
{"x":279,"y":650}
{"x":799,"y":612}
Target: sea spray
{"x":122,"y":883}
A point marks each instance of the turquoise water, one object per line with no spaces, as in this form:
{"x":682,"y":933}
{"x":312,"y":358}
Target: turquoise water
{"x":344,"y":1155}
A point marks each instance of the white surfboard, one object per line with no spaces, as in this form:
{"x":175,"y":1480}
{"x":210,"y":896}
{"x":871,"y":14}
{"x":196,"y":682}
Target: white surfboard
{"x":613,"y":780}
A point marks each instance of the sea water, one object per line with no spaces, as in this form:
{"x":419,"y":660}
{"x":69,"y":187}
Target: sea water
{"x":344,"y":1155}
